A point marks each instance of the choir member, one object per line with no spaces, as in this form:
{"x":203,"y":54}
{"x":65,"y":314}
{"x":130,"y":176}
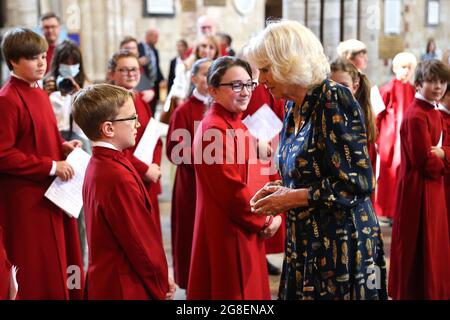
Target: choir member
{"x":126,"y":254}
{"x":420,"y":251}
{"x":228,"y":257}
{"x":179,"y":142}
{"x":397,"y":96}
{"x":40,"y":239}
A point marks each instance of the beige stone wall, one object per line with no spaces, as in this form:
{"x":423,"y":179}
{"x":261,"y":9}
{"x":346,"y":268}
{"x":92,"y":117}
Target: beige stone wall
{"x":103,"y":23}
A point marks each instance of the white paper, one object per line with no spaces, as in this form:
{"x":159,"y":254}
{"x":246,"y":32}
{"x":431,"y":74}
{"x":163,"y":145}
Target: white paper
{"x":439,"y":145}
{"x":376,"y":100}
{"x":146,"y":147}
{"x":13,"y":285}
{"x":263,"y":124}
{"x":68,"y":194}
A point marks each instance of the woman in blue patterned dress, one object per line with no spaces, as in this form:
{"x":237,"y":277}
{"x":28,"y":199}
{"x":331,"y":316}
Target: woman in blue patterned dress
{"x":334,"y":247}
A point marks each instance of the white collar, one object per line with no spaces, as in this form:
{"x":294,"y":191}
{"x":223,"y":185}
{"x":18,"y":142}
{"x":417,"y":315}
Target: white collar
{"x":199,"y":96}
{"x":32,"y":84}
{"x":421,"y":97}
{"x":104,"y":145}
{"x":442,"y":108}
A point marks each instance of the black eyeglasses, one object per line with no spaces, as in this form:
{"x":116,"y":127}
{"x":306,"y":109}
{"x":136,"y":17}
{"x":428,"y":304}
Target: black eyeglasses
{"x":238,"y":86}
{"x":126,"y":71}
{"x":134,"y":117}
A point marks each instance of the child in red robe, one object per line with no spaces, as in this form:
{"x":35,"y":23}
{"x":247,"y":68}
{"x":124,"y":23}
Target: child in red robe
{"x":420,"y":252}
{"x":228,"y":256}
{"x":126,"y":254}
{"x":444,"y":108}
{"x":397,"y":96}
{"x":40,"y":239}
{"x":179,"y":141}
{"x":125,"y":73}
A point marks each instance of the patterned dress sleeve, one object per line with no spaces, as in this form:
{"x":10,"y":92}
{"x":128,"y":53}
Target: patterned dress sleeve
{"x":347,"y":177}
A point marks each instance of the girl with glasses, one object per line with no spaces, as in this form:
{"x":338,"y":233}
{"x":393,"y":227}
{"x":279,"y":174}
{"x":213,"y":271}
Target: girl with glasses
{"x":228,"y":258}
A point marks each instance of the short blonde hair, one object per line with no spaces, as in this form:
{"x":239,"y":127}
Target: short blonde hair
{"x":404,"y":58}
{"x":293,"y":53}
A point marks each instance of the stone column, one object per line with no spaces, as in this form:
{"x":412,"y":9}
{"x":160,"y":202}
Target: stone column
{"x":350,"y":19}
{"x":313,"y":17}
{"x":22,"y":13}
{"x":294,"y":10}
{"x":331,"y":28}
{"x":370,"y":31}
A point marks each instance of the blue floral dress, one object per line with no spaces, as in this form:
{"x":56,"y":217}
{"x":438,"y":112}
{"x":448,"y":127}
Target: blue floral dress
{"x":334,"y":247}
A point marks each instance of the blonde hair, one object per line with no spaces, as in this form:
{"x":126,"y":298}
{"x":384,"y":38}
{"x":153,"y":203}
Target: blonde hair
{"x":96,"y":104}
{"x":293,"y":53}
{"x":404,"y":58}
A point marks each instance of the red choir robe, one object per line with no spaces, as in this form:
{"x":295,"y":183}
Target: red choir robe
{"x":397,"y":97}
{"x":126,"y":254}
{"x":40,"y":239}
{"x":154,"y":189}
{"x":5,"y":271}
{"x":446,"y":142}
{"x":184,"y":194}
{"x":228,"y":258}
{"x":256,"y":181}
{"x":420,"y":254}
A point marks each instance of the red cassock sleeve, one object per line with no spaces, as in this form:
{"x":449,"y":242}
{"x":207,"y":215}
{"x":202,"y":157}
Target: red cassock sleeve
{"x":12,"y":160}
{"x":231,"y":191}
{"x":179,"y":135}
{"x":419,"y":145}
{"x":128,"y":219}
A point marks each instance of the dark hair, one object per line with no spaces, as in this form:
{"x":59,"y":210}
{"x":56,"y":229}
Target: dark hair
{"x":362,"y":94}
{"x":64,"y":51}
{"x":220,"y":66}
{"x":126,"y":40}
{"x":22,"y":43}
{"x":431,"y":70}
{"x":429,"y":42}
{"x":184,"y":42}
{"x":50,"y":15}
{"x":96,"y":104}
{"x":227,"y":38}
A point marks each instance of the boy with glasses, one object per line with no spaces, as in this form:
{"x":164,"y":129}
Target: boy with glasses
{"x":126,"y":255}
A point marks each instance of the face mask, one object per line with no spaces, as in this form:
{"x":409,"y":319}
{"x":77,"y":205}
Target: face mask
{"x":66,"y":70}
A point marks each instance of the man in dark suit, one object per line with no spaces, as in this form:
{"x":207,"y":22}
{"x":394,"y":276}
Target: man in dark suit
{"x":149,"y":59}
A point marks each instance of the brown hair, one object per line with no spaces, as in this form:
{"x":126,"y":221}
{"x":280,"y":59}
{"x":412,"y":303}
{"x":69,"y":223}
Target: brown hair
{"x":96,"y":104}
{"x":362,"y":95}
{"x":431,"y":70}
{"x":126,"y":40}
{"x":220,"y":66}
{"x":64,"y":51}
{"x":50,"y":15}
{"x":112,"y":62}
{"x":22,"y":43}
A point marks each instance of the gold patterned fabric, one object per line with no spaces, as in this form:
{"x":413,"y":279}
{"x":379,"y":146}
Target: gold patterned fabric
{"x":334,"y":247}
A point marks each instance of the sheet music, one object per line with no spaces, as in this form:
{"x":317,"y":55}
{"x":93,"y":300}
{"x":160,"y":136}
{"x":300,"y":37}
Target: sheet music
{"x":376,"y":100}
{"x":68,"y":194}
{"x":146,"y":147}
{"x":263,"y":124}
